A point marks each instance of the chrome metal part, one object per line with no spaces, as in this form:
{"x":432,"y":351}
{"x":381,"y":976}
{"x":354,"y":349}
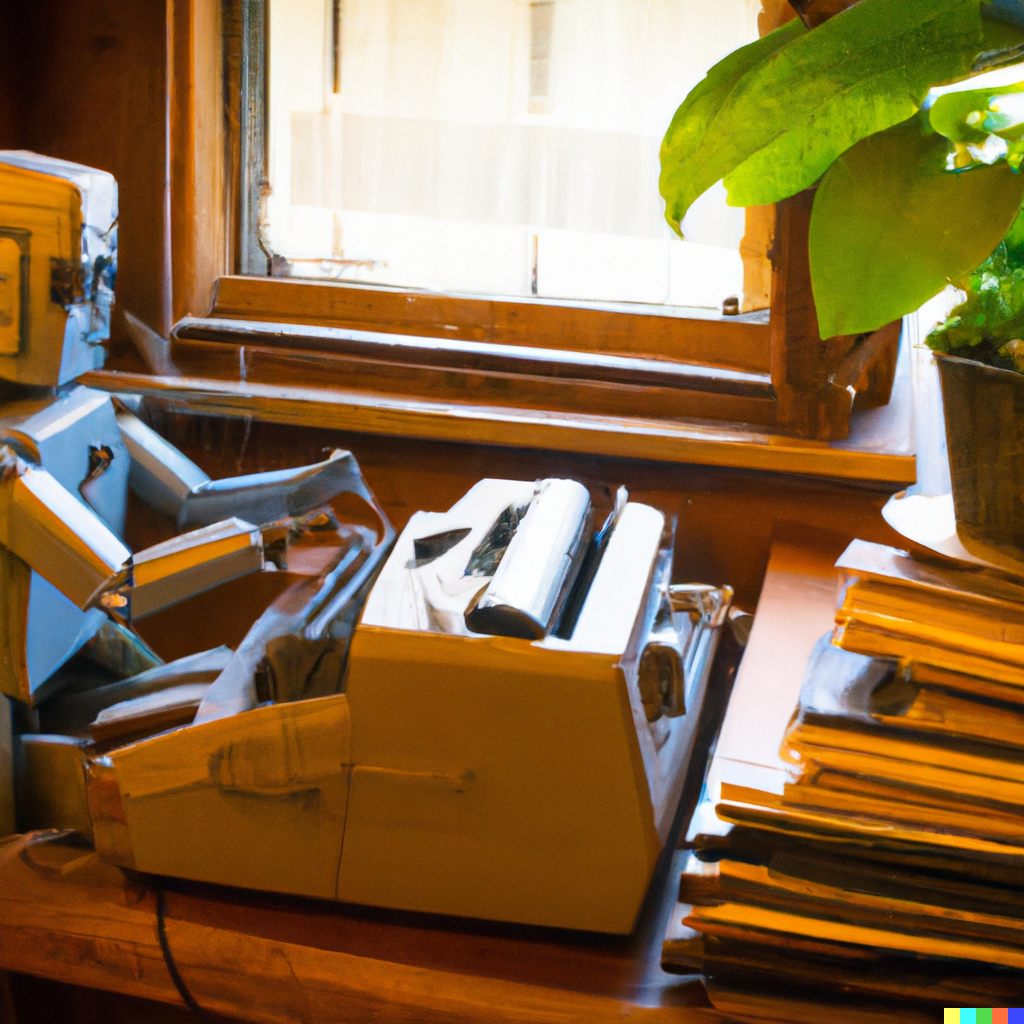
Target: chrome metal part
{"x":681,"y":646}
{"x":533,"y":580}
{"x":310,"y":624}
{"x":188,"y":565}
{"x":160,"y":475}
{"x":263,"y":498}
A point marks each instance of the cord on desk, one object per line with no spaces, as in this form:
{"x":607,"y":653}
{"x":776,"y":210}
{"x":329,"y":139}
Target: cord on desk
{"x":172,"y":967}
{"x":8,"y":1014}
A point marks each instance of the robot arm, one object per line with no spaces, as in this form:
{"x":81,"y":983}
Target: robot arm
{"x":57,"y":535}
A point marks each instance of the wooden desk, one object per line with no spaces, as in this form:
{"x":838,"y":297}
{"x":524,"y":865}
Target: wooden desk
{"x":248,"y":956}
{"x":66,"y":916}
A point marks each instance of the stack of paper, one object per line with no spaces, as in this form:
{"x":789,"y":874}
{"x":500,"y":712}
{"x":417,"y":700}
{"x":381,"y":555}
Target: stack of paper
{"x":861,"y":839}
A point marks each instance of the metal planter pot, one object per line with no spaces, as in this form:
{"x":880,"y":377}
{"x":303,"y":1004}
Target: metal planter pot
{"x":984,"y":409}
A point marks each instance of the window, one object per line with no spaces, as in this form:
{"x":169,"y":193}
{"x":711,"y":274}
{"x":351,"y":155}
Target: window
{"x":501,"y":147}
{"x":518,"y":366}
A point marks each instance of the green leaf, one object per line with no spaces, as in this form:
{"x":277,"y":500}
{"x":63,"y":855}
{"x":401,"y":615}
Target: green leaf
{"x":990,"y":321}
{"x":681,"y":181}
{"x":963,"y":116}
{"x":861,"y":72}
{"x":984,"y":125}
{"x":891,"y":227}
{"x":1013,"y":243}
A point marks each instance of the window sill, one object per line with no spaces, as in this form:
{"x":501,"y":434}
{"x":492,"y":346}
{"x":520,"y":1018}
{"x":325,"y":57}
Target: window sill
{"x":626,"y":329}
{"x":878,"y":452}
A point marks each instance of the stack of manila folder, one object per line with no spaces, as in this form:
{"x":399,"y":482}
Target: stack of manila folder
{"x":860,"y":841}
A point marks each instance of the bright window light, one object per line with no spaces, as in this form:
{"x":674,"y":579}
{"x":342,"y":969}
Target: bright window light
{"x":504,"y":147}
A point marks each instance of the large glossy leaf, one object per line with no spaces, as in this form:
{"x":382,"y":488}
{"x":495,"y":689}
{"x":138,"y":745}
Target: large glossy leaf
{"x":681,"y":181}
{"x":891,"y":227}
{"x":1013,"y":242}
{"x":857,"y":74}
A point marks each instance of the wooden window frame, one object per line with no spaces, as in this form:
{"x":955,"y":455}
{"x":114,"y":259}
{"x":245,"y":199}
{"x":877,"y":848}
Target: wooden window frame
{"x":746,"y":390}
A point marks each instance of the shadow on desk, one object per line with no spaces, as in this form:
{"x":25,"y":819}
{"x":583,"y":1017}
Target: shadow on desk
{"x":74,"y":921}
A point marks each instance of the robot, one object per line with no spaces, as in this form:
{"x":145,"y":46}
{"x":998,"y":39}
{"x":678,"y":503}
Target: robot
{"x":72,"y":589}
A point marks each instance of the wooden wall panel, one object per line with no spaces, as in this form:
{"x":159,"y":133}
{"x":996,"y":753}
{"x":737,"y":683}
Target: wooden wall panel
{"x":10,"y":93}
{"x":91,"y":80}
{"x":726,"y":517}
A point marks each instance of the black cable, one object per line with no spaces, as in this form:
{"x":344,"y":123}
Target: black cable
{"x":172,"y":967}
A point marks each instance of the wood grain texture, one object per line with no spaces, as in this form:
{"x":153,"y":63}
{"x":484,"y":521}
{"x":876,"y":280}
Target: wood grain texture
{"x":64,"y":914}
{"x":725,"y":516}
{"x":814,"y":12}
{"x":729,"y":342}
{"x":137,"y":90}
{"x":757,"y":265}
{"x":809,"y":403}
{"x":816,"y":380}
{"x":383,"y":380}
{"x":756,"y":245}
{"x":265,"y":958}
{"x":774,"y":14}
{"x":445,"y":353}
{"x":231,"y":32}
{"x":199,"y":219}
{"x":870,"y":366}
{"x":457,"y":371}
{"x":90,"y":79}
{"x":883,"y":458}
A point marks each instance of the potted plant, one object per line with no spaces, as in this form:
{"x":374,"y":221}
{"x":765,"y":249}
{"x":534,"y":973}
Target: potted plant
{"x":913,"y":191}
{"x":981,"y":360}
